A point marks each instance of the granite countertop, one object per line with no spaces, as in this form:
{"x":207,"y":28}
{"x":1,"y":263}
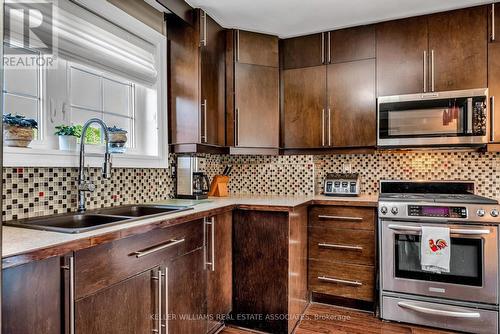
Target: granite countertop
{"x":18,"y":241}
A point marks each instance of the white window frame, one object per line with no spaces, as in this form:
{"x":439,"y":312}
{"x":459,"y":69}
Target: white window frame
{"x":42,"y":157}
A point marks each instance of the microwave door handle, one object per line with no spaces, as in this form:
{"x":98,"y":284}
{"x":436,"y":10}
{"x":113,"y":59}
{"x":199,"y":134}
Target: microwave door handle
{"x":470,"y":111}
{"x":444,"y":313}
{"x":402,"y":228}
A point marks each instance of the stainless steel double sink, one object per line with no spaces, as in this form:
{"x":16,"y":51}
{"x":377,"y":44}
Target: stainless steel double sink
{"x":91,"y":220}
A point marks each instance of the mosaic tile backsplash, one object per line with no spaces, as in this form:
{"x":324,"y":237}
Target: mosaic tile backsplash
{"x":31,"y":192}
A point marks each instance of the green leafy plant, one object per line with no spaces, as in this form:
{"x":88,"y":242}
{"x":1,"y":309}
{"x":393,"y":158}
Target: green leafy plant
{"x":69,"y":130}
{"x":20,"y":121}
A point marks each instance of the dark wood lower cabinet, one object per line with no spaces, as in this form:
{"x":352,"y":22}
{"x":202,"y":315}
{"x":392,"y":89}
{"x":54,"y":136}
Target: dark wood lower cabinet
{"x":32,"y":298}
{"x":270,"y":269}
{"x":220,"y":272}
{"x":128,"y":307}
{"x":186,"y":294}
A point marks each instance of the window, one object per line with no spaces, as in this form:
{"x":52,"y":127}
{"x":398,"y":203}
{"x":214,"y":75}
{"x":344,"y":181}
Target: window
{"x":96,"y":94}
{"x":22,"y":88}
{"x":101,"y":71}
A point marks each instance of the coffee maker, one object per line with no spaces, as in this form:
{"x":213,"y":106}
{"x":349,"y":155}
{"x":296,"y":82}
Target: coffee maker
{"x":191,"y":183}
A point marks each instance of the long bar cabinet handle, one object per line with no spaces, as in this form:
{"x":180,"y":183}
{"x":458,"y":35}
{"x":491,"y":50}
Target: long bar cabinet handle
{"x":337,"y":246}
{"x":205,"y":122}
{"x":340,"y":218}
{"x":322,"y":48}
{"x":158,"y":306}
{"x":492,"y":118}
{"x":433,"y":311}
{"x":433,"y":72}
{"x":418,"y":229}
{"x":323,"y":127}
{"x":493,"y":37}
{"x":237,"y":45}
{"x":339,"y":281}
{"x":329,"y":48}
{"x":211,"y":223}
{"x":329,"y":127}
{"x":203,"y":26}
{"x":165,"y":275}
{"x":71,"y":268}
{"x":425,"y":71}
{"x":166,"y":245}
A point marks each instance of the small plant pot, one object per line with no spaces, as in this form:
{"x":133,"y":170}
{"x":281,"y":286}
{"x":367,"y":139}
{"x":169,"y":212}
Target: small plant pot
{"x":67,"y":143}
{"x":117,"y":141}
{"x":16,"y":136}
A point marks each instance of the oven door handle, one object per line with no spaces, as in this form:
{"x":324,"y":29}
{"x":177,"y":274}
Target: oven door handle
{"x":452,"y":230}
{"x":451,"y":314}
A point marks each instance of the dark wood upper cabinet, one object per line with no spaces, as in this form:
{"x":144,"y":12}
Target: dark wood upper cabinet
{"x":352,"y":44}
{"x":252,"y":100}
{"x":257,"y":49}
{"x":130,"y":306}
{"x":212,"y":81}
{"x":351,"y":104}
{"x":32,"y":297}
{"x":196,"y":84}
{"x":402,"y":56}
{"x":304,"y":103}
{"x":458,"y":49}
{"x":494,"y":89}
{"x":220,"y":269}
{"x":257,"y":106}
{"x":304,"y":51}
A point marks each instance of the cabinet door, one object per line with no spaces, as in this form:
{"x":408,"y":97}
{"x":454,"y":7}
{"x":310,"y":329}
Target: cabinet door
{"x":31,"y":298}
{"x":458,"y":43}
{"x":124,"y":308}
{"x":304,"y":100}
{"x":352,"y":44}
{"x":256,"y":49}
{"x":494,"y":87}
{"x":257,"y":106}
{"x":187,"y":285}
{"x":183,"y":82}
{"x":304,"y":51}
{"x":400,"y":56}
{"x":212,"y":102}
{"x":220,"y":273}
{"x":352,"y":104}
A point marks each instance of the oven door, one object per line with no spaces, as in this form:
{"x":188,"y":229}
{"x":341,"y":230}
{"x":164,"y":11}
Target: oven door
{"x":473,"y":272}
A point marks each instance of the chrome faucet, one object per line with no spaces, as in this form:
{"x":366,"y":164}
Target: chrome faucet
{"x":85,"y":185}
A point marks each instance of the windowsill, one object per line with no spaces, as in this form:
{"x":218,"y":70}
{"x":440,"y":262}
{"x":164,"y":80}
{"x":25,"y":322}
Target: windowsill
{"x":35,"y":157}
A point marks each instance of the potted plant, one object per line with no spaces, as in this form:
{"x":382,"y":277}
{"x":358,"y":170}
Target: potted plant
{"x":18,"y":130}
{"x":68,"y":135}
{"x":117,"y":139}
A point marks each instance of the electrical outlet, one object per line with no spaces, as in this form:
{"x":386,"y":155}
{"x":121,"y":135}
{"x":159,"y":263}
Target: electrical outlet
{"x":346,"y":168}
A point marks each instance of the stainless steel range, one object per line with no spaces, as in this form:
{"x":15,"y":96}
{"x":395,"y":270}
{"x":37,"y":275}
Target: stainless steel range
{"x":463,"y":299}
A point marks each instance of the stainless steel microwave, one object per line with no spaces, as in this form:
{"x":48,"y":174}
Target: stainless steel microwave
{"x":454,"y":118}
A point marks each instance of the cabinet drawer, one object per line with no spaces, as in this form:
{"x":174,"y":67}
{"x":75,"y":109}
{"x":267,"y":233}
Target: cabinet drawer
{"x":342,"y":245}
{"x":107,"y":264}
{"x":343,"y":217}
{"x":342,"y":280}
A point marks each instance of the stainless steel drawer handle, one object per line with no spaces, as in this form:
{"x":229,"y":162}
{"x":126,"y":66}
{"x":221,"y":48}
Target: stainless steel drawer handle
{"x":166,"y":245}
{"x":339,"y":281}
{"x":337,"y":246}
{"x":402,"y":228}
{"x":71,"y":268}
{"x":340,"y":218}
{"x":426,"y":310}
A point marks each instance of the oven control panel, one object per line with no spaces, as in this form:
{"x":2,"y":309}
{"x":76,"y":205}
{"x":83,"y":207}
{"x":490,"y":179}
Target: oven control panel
{"x":437,"y":211}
